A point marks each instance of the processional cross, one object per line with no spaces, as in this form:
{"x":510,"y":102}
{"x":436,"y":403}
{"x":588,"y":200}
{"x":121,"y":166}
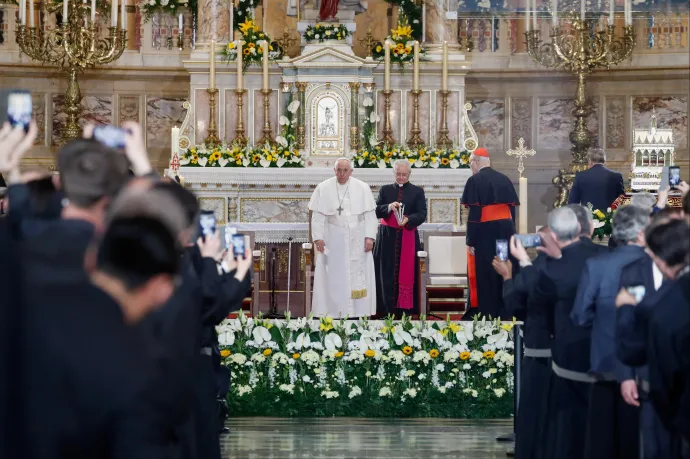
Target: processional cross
{"x":520,"y":152}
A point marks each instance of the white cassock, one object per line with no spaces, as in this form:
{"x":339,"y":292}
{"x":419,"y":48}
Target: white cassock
{"x":344,"y":279}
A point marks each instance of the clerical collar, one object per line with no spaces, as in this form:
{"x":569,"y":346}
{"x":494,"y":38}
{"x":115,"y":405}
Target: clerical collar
{"x":401,"y":184}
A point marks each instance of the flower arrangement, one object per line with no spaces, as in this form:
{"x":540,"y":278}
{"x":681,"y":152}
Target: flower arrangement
{"x":603,"y":226}
{"x":401,"y":44}
{"x":236,"y":156}
{"x":244,"y":11}
{"x":383,"y":156}
{"x":323,"y":32}
{"x":150,"y":7}
{"x":287,"y":138}
{"x":327,"y":367}
{"x":252,"y":51}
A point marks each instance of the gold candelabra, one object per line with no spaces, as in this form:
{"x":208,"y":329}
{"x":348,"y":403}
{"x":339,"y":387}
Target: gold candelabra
{"x":75,"y":46}
{"x":240,"y":138}
{"x":443,"y":141}
{"x":387,"y":128}
{"x":267,"y":134}
{"x":212,"y":138}
{"x":415,"y":140}
{"x":354,"y":114}
{"x":579,"y":50}
{"x":300,"y":136}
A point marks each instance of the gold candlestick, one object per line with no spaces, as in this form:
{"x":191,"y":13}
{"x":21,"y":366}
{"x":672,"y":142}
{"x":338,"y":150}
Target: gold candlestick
{"x":443,"y":141}
{"x":240,"y":138}
{"x":354,"y":114}
{"x":415,"y":140}
{"x":387,"y":129}
{"x":267,"y":136}
{"x":212,"y":137}
{"x":300,"y":136}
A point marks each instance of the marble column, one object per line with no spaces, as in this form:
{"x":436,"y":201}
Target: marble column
{"x":439,"y":29}
{"x":213,"y":19}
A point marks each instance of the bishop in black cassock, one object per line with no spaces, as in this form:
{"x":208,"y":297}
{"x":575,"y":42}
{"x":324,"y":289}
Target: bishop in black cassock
{"x":395,"y":253}
{"x":491,"y":199}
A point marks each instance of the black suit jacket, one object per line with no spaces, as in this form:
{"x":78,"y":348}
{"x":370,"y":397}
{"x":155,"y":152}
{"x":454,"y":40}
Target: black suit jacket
{"x":597,"y":185}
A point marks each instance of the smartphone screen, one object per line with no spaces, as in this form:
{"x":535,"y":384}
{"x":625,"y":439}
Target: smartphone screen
{"x":502,"y":249}
{"x":17,"y":108}
{"x":238,"y":246}
{"x":674,"y":175}
{"x":529,"y":240}
{"x":110,"y":136}
{"x":638,"y":291}
{"x":207,"y":223}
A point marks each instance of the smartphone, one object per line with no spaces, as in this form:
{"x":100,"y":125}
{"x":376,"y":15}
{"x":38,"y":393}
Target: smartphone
{"x":529,"y":240}
{"x":674,"y":176}
{"x":16,"y":108}
{"x":502,"y":249}
{"x":230,"y":231}
{"x":110,"y":136}
{"x":638,"y":291}
{"x":207,"y":223}
{"x":238,"y":245}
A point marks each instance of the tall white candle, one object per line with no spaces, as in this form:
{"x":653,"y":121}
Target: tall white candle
{"x":263,"y":16}
{"x":123,"y":16}
{"x":65,"y":12}
{"x":534,"y":14}
{"x":612,"y":11}
{"x":582,"y":10}
{"x":240,"y":76}
{"x":93,"y":11}
{"x":175,"y":137}
{"x":522,"y":211}
{"x":444,"y":67}
{"x":22,"y":12}
{"x":423,"y":22}
{"x":232,"y":21}
{"x":180,"y":24}
{"x":386,"y":65}
{"x":628,"y":13}
{"x":415,"y":84}
{"x":212,"y":66}
{"x":528,"y":24}
{"x":265,"y":62}
{"x":554,"y":12}
{"x":113,"y":13}
{"x":31,"y":13}
{"x":86,"y":17}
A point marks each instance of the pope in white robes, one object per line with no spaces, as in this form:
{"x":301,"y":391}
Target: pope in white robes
{"x":343,"y":228}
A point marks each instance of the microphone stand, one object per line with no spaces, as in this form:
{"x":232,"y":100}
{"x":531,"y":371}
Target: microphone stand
{"x":273,"y":310}
{"x":289,"y":271}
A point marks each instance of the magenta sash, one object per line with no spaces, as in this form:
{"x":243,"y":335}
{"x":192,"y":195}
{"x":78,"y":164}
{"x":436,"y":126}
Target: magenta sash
{"x":406,"y":268}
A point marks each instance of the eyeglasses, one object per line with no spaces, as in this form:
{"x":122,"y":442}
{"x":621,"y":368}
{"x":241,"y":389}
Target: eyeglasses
{"x":402,"y":174}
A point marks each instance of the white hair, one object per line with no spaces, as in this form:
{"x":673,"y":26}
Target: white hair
{"x":335,"y":165}
{"x":563,"y":223}
{"x":628,"y":222}
{"x":402,"y":162}
{"x":643,"y":199}
{"x":483,"y":160}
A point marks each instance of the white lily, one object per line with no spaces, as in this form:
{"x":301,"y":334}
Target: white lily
{"x":368,"y":102}
{"x":381,"y":164}
{"x":374,"y":141}
{"x":281,"y":162}
{"x":597,"y":223}
{"x":360,"y":161}
{"x":261,"y":335}
{"x":265,"y":163}
{"x":293,"y":107}
{"x":203,"y":162}
{"x":303,"y":341}
{"x":283,"y":121}
{"x":245,"y":162}
{"x":184,"y":161}
{"x":454,"y":163}
{"x":282,"y":140}
{"x":401,"y":336}
{"x":223,"y":162}
{"x":332,"y":341}
{"x":374,"y":117}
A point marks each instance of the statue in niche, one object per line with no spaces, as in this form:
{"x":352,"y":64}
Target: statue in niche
{"x":327,"y":9}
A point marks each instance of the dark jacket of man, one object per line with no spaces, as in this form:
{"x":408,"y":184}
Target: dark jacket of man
{"x":597,"y":185}
{"x":595,"y":305}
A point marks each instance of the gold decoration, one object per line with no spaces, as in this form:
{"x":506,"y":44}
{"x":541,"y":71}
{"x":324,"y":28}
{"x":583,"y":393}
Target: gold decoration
{"x":212,"y":137}
{"x":240,"y":138}
{"x":369,"y":87}
{"x":520,"y":152}
{"x":300,"y":136}
{"x":368,"y":42}
{"x":286,"y":40}
{"x":75,"y":48}
{"x":354,"y":114}
{"x":387,"y":129}
{"x":576,"y":48}
{"x":415,"y":140}
{"x":443,"y":140}
{"x":359,"y":294}
{"x":267,"y":137}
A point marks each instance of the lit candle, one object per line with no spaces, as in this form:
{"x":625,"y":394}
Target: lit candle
{"x":123,"y":16}
{"x":612,"y":11}
{"x":522,"y":212}
{"x":582,"y":10}
{"x":554,"y":12}
{"x":31,"y":13}
{"x":113,"y":13}
{"x":528,"y":24}
{"x":444,"y":67}
{"x":387,"y":65}
{"x":180,"y":25}
{"x":212,"y":65}
{"x":240,"y":76}
{"x":265,"y":62}
{"x":65,"y":12}
{"x":416,"y":66}
{"x":93,"y":12}
{"x":175,"y":137}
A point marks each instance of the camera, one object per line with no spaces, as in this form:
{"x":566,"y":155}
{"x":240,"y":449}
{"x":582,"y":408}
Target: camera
{"x":110,"y":136}
{"x":16,"y":107}
{"x":529,"y":240}
{"x":502,"y":249}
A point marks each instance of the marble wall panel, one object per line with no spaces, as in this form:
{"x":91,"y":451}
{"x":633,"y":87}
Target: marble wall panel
{"x":95,"y":109}
{"x":556,"y":121}
{"x":438,"y":29}
{"x":396,"y":111}
{"x":444,"y":210}
{"x":38,"y":101}
{"x":161,"y":115}
{"x":231,"y":114}
{"x":521,"y":122}
{"x":424,"y":117}
{"x":671,"y":111}
{"x":272,"y":210}
{"x":217,"y":205}
{"x":201,"y":115}
{"x":211,"y":11}
{"x":273,"y":110}
{"x":488,"y":119}
{"x":128,"y":107}
{"x":615,"y":122}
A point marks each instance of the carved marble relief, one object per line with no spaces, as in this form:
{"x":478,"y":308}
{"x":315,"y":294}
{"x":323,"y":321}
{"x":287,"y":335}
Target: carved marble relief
{"x":615,"y":122}
{"x":521,"y":121}
{"x":38,"y":100}
{"x":95,"y":109}
{"x":488,"y":119}
{"x":128,"y":108}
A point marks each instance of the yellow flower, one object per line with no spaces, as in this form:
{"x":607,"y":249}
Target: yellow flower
{"x":433,"y":159}
{"x":370,"y":353}
{"x":489,"y":354}
{"x":455,"y":327}
{"x":339,"y":354}
{"x":295,"y":355}
{"x":269,"y":158}
{"x":433,"y":353}
{"x":464,"y":355}
{"x":384,"y":330}
{"x":231,"y":45}
{"x":246,"y":51}
{"x":407,"y":350}
{"x":256,"y":158}
{"x":400,"y":46}
{"x":295,"y":152}
{"x":225,"y":353}
{"x":452,"y":156}
{"x":411,"y":160}
{"x":252,"y":45}
{"x":445,"y":331}
{"x":379,"y":48}
{"x":246,"y":26}
{"x":268,"y":352}
{"x":325,"y":327}
{"x":507,"y":327}
{"x":445,"y":161}
{"x":599,"y":214}
{"x":408,"y":50}
{"x":261,"y":50}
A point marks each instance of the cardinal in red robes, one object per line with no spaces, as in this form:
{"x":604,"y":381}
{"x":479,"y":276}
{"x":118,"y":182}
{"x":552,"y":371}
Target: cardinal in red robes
{"x":490,"y":198}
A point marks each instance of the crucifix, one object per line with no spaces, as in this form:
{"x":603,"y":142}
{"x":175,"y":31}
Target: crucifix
{"x":520,"y":152}
{"x":340,"y":209}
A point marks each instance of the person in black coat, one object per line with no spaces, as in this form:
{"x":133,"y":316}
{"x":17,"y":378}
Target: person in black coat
{"x":554,"y":289}
{"x":598,"y":185}
{"x":395,"y":253}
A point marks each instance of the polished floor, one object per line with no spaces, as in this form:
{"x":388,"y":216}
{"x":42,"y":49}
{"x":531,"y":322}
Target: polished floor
{"x":354,"y":438}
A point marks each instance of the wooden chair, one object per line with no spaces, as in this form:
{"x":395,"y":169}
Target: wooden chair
{"x":443,"y":273}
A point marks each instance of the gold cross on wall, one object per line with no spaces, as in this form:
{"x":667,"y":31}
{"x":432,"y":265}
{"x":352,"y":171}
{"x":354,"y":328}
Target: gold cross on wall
{"x":521,"y":152}
{"x":285,"y":41}
{"x":368,"y":42}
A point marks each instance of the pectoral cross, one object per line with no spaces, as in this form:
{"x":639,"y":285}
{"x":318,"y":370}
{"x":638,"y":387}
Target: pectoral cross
{"x":340,"y":210}
{"x":521,"y":152}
